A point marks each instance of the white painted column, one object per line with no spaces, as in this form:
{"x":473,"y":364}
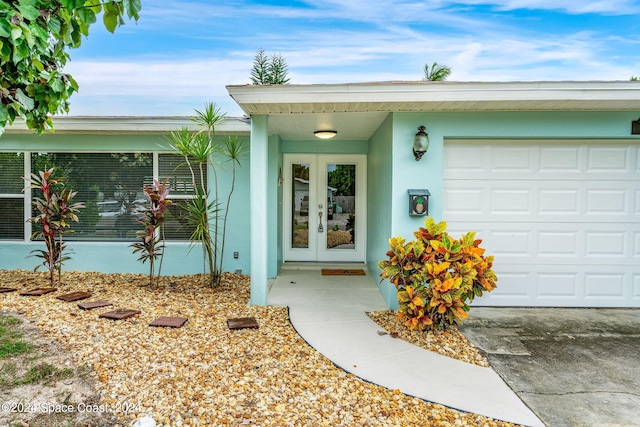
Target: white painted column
{"x":259,"y":225}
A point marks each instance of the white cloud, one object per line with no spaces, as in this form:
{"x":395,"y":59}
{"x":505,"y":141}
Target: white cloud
{"x":611,"y":7}
{"x":382,"y":43}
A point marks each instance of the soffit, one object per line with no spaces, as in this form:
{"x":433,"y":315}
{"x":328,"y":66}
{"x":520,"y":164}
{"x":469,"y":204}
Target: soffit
{"x":355,"y":110}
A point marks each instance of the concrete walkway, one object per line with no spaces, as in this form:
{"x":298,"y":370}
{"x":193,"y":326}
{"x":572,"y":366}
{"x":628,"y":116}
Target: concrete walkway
{"x":329,"y":313}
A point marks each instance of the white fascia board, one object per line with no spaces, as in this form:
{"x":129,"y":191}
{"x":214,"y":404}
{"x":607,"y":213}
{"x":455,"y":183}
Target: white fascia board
{"x":133,"y":125}
{"x":398,"y":93}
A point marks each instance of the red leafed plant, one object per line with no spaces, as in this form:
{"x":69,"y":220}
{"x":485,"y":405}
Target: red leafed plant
{"x":54,"y":212}
{"x":437,"y":276}
{"x":151,"y":244}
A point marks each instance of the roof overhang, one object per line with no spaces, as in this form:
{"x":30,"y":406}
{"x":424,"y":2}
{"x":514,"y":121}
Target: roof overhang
{"x":356,"y":110}
{"x":132,"y":125}
{"x":437,"y":96}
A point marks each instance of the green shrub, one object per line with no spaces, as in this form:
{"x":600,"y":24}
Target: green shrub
{"x":437,"y":276}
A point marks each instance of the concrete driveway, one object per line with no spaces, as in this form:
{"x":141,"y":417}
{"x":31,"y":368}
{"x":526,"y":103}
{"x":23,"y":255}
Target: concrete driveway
{"x":572,"y":367}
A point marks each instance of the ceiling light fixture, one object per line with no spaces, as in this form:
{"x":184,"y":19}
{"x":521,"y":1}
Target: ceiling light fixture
{"x":325,"y":134}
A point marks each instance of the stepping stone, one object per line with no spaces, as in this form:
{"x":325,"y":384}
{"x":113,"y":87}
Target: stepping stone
{"x":243,"y":323}
{"x":5,"y":290}
{"x":74,"y":296}
{"x":93,"y":304}
{"x":120,"y":314}
{"x":38,"y":291}
{"x":169,"y":322}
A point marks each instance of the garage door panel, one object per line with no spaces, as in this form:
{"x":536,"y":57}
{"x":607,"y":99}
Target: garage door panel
{"x":558,"y":201}
{"x":531,"y":201}
{"x":510,"y":243}
{"x":559,"y":243}
{"x":600,"y":244}
{"x":466,"y":201}
{"x":612,"y":201}
{"x":554,"y":160}
{"x":466,"y":159}
{"x":512,"y":284}
{"x":604,"y":285}
{"x":614,"y":159}
{"x":562,"y":218}
{"x":510,"y":201}
{"x":558,"y":286}
{"x":564,"y":159}
{"x":553,"y":286}
{"x":509,"y":158}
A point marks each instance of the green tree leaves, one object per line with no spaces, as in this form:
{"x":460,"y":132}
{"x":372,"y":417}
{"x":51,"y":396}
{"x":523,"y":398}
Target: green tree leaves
{"x":34,"y":38}
{"x":269,"y":70}
{"x":436,"y":73}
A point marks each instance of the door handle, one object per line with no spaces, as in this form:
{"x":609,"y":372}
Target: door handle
{"x":320,"y":228}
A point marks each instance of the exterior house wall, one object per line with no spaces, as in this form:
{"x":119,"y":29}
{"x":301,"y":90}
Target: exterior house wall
{"x":379,"y":206}
{"x":274,"y":207}
{"x":255,"y":230}
{"x":258,"y":196}
{"x":428,"y":172}
{"x":112,"y":256}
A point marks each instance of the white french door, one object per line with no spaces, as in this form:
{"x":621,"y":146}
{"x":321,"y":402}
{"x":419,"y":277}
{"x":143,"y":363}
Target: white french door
{"x":324,"y":210}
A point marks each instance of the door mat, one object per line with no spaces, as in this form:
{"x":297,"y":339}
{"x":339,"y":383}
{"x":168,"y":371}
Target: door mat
{"x":74,"y":296}
{"x":93,"y":304}
{"x":243,"y":323}
{"x":4,"y":290}
{"x":38,"y":291}
{"x":169,"y":322}
{"x":120,"y":314}
{"x":342,"y":272}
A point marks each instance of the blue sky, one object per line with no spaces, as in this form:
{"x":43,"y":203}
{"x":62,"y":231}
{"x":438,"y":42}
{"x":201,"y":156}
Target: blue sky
{"x":181,"y":54}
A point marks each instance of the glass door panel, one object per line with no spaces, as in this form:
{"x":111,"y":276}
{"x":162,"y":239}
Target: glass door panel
{"x":341,"y":206}
{"x":300,"y":205}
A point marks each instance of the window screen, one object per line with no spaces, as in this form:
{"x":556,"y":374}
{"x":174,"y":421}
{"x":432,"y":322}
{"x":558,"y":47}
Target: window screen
{"x":109,"y":184}
{"x":11,"y":195}
{"x":175,"y":170}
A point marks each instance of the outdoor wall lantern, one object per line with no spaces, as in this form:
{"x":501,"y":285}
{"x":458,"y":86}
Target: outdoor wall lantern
{"x":325,"y":134}
{"x":635,"y":127}
{"x":418,"y":202}
{"x":420,"y":143}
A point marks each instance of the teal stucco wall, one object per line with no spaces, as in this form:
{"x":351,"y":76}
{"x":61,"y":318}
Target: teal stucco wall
{"x":428,"y":172}
{"x":379,"y":206}
{"x":180,"y":257}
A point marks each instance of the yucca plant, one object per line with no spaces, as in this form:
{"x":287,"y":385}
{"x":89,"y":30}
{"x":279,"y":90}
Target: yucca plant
{"x":54,"y":212}
{"x":151,"y":244}
{"x":206,"y":213}
{"x":436,"y":276}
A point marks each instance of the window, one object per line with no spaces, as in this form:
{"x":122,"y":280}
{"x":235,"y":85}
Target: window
{"x":109,"y":184}
{"x":11,"y":195}
{"x":175,"y":170}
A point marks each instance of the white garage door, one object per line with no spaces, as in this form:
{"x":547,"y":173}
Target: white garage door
{"x":561,"y":217}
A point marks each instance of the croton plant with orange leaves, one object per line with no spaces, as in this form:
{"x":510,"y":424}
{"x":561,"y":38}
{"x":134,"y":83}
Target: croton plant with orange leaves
{"x":436,"y":276}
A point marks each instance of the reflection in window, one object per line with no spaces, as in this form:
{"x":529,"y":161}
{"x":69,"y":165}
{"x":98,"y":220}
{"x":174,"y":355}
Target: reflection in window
{"x":341,"y":202}
{"x":300,"y":205}
{"x":111,"y":187}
